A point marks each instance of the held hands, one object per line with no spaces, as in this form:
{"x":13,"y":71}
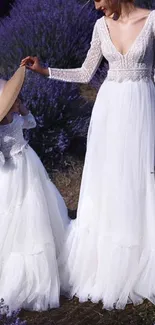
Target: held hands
{"x":32,"y":63}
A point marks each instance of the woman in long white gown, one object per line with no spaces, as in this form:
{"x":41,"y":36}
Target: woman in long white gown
{"x":109,"y":253}
{"x":33,"y":220}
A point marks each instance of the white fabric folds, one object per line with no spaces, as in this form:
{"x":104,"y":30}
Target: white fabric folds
{"x":110,"y":249}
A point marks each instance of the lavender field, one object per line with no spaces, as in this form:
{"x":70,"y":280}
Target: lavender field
{"x":59,"y":33}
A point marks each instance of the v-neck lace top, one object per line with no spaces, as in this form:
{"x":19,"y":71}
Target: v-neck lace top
{"x":138,"y":63}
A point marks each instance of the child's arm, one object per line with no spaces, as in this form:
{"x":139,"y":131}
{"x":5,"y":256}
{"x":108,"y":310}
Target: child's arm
{"x":29,"y":121}
{"x":28,"y":118}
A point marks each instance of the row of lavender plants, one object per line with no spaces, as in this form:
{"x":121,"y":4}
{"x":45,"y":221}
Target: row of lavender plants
{"x":59,"y":33}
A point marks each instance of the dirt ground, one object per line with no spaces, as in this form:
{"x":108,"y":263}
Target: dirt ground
{"x":73,"y":313}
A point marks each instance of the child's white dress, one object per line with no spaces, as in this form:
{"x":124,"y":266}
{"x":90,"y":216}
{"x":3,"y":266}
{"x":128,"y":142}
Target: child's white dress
{"x":33,"y":218}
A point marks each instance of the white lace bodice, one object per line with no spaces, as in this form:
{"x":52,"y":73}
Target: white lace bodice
{"x":11,"y":136}
{"x":136,"y":64}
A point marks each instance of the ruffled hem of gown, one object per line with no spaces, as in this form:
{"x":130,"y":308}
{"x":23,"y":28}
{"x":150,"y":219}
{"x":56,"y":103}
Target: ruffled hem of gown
{"x":30,"y":281}
{"x":116,"y":275}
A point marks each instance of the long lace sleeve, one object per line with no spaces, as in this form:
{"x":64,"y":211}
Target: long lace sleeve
{"x":88,"y":68}
{"x":29,"y":121}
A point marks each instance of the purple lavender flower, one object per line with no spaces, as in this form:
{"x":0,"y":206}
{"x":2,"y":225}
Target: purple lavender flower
{"x":59,"y":33}
{"x":7,"y":318}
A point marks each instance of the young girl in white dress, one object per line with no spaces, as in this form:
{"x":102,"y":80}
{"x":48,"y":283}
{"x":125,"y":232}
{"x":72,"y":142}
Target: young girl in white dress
{"x":33,"y":219}
{"x":109,"y":253}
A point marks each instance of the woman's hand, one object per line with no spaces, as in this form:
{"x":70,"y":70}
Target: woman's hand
{"x":32,"y":63}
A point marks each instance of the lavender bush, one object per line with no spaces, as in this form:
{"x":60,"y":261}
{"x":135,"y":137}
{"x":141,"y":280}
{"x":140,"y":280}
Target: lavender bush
{"x":146,"y":3}
{"x":62,"y":123}
{"x":59,"y":33}
{"x":6,"y":318}
{"x":141,"y":3}
{"x":5,"y":6}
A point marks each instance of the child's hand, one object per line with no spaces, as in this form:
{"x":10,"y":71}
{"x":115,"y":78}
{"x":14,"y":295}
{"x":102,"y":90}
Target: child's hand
{"x":32,"y":63}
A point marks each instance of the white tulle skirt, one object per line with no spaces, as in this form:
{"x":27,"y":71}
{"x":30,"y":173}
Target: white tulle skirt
{"x":110,"y":249}
{"x":33,"y":219}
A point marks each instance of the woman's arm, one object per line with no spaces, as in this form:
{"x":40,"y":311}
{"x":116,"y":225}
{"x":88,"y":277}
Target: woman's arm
{"x":89,"y":67}
{"x":83,"y":74}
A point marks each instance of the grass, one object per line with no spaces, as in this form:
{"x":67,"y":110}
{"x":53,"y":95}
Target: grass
{"x":88,"y":92}
{"x":68,"y":181}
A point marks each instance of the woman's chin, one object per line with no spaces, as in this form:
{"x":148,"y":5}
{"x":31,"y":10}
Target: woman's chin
{"x":108,"y":13}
